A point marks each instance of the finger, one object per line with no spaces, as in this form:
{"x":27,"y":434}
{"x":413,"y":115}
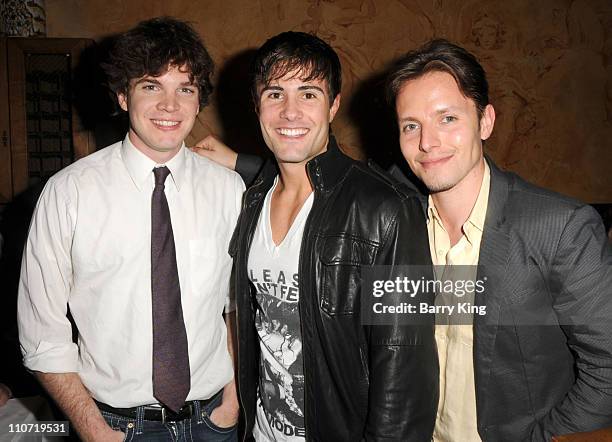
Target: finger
{"x":207,"y":142}
{"x":203,"y":144}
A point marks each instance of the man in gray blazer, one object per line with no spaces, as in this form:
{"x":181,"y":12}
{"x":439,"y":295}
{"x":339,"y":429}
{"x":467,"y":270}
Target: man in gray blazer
{"x":539,"y":362}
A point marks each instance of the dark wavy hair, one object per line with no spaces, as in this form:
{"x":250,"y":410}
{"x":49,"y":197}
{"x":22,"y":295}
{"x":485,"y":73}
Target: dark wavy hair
{"x":153,"y":46}
{"x":442,"y":56}
{"x":296,"y":51}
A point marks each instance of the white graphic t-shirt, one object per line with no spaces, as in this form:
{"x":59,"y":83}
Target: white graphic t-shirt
{"x":273,"y":270}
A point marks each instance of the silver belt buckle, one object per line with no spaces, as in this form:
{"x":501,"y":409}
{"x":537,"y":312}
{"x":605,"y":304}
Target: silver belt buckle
{"x":163,"y":413}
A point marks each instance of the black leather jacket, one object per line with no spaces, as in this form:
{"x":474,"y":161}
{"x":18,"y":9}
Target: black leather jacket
{"x":361,"y":382}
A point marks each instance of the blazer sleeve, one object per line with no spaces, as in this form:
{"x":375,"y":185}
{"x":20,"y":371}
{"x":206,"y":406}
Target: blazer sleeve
{"x":581,"y":278}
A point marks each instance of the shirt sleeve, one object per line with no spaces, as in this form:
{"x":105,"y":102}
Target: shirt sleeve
{"x":230,"y":301}
{"x":45,"y":333}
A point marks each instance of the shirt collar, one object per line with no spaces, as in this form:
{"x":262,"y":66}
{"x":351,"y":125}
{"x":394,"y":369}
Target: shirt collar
{"x":476,"y":220}
{"x":432,"y":212}
{"x":479,"y":212}
{"x":140,"y":166}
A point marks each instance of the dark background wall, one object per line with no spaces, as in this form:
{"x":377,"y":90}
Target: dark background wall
{"x":549,"y":65}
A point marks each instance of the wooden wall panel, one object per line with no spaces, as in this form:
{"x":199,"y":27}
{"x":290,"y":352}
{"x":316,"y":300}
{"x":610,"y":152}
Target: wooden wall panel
{"x":549,"y":64}
{"x":6,"y":184}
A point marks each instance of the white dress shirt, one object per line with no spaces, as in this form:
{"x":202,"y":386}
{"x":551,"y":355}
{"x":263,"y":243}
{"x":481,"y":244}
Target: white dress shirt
{"x":89,"y":249}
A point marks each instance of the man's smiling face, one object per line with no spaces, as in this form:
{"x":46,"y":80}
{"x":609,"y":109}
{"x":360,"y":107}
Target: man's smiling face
{"x":162,"y":111}
{"x":294,"y":116}
{"x":440,"y":131}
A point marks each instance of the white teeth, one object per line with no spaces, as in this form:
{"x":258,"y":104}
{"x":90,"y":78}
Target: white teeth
{"x":292,"y":132}
{"x":165,"y":123}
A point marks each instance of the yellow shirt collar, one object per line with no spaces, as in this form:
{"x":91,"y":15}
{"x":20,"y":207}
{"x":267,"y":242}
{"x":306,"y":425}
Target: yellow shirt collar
{"x":477,"y":217}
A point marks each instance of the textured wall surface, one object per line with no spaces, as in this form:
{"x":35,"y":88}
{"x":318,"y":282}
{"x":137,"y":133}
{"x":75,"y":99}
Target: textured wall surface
{"x":549,"y":64}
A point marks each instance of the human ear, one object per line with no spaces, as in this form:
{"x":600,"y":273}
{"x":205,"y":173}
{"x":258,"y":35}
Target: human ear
{"x":487,"y":121}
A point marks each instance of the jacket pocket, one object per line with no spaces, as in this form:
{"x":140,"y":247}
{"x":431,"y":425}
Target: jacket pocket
{"x":341,"y":259}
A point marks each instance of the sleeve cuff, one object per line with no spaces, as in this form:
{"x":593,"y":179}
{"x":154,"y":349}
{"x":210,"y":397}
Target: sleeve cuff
{"x":53,"y":357}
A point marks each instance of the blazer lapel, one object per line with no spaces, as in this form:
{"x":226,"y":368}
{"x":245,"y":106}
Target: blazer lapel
{"x":492,"y":265}
{"x":493,"y":262}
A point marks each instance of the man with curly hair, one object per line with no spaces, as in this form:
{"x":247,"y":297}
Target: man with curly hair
{"x":118,"y":243}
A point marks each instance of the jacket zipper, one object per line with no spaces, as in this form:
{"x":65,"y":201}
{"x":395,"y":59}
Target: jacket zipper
{"x":300,"y":272}
{"x":364,"y":363}
{"x":301,"y":301}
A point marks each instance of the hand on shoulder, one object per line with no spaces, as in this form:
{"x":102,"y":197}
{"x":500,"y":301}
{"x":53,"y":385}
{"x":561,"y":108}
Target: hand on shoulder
{"x":213,"y":149}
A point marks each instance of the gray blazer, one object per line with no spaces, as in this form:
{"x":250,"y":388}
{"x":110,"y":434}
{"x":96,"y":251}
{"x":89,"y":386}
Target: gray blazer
{"x":543,"y":351}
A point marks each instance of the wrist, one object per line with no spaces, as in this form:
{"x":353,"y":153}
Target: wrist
{"x":102,"y":432}
{"x":231,"y":405}
{"x":95,"y":428}
{"x":230,"y":401}
{"x":6,"y":390}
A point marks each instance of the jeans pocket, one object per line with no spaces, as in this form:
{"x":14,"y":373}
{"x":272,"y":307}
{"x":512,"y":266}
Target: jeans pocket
{"x":206,"y":417}
{"x":119,"y":423}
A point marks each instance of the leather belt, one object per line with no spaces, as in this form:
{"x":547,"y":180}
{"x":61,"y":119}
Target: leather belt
{"x":161,"y":414}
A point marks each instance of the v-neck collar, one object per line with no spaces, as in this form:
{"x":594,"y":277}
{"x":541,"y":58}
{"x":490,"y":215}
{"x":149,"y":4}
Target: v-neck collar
{"x":295,"y":225}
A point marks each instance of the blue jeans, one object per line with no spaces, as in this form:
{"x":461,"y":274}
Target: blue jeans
{"x":198,"y":428}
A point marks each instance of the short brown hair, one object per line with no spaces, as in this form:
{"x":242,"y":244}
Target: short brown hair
{"x":151,"y":48}
{"x":443,"y":56}
{"x":296,"y":51}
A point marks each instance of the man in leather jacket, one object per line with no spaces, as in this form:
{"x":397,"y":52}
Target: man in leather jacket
{"x":309,"y":367}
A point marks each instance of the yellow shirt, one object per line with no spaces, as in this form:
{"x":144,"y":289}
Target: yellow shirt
{"x":456,"y":417}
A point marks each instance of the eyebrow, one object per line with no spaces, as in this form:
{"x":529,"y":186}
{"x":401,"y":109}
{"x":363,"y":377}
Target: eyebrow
{"x":310,"y":86}
{"x":272,"y":88}
{"x":300,"y":88}
{"x":146,"y":80}
{"x":447,"y":109}
{"x":438,"y":112}
{"x":154,"y":81}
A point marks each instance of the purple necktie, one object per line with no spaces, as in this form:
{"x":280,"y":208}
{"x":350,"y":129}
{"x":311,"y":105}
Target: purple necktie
{"x":171,"y":379}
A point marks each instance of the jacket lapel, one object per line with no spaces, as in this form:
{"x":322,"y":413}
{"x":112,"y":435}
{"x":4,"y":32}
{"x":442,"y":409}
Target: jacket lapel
{"x":493,"y":261}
